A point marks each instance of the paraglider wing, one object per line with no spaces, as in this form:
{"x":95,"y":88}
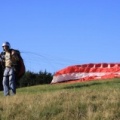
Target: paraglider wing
{"x":87,"y":72}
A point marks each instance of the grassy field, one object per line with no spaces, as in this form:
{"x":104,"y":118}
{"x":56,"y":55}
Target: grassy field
{"x":95,"y":100}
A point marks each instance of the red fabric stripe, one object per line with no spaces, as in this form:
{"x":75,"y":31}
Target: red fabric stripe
{"x":98,"y":67}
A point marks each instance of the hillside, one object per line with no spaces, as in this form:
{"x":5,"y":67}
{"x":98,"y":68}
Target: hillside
{"x":95,"y":100}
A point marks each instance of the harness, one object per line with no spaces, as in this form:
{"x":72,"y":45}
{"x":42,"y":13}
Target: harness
{"x":19,"y":67}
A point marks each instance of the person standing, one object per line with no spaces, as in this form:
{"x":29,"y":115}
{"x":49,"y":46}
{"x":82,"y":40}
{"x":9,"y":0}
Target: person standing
{"x":9,"y":58}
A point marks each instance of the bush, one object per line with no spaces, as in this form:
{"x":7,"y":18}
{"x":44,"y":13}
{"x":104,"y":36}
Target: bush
{"x":31,"y":78}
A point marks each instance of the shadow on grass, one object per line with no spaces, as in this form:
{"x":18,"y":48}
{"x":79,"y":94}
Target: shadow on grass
{"x":64,"y":86}
{"x":93,"y":83}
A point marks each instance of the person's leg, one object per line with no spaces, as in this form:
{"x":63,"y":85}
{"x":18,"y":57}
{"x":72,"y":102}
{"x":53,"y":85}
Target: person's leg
{"x":6,"y":82}
{"x":12,"y":83}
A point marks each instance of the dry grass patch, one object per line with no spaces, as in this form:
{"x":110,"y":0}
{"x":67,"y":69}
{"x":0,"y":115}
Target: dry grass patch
{"x":65,"y":102}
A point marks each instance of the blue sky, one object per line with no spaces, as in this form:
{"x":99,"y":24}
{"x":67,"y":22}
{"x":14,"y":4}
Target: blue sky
{"x":53,"y":34}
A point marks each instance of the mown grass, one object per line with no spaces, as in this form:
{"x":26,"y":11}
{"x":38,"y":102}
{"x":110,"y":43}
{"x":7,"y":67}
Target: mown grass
{"x":95,"y":100}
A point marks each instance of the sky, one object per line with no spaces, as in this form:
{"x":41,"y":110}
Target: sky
{"x":54,"y":34}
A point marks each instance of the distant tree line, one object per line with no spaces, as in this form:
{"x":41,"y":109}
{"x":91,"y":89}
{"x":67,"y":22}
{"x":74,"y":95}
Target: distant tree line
{"x":31,"y":78}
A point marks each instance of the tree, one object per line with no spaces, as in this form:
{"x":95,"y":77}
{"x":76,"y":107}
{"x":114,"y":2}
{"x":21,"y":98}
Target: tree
{"x":31,"y":78}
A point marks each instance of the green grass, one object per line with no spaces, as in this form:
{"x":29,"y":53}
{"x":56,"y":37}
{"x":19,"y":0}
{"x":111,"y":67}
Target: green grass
{"x":94,"y":100}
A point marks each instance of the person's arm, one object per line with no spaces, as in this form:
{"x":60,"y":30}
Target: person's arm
{"x":2,"y":55}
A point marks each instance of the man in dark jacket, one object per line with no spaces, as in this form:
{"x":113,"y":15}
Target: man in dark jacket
{"x":9,"y":58}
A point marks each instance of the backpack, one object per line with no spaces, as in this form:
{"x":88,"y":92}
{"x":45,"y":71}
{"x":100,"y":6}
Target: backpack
{"x":20,"y":66}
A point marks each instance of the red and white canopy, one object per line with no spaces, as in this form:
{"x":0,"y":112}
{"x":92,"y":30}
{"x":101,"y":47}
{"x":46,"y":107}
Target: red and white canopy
{"x":86,"y":72}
